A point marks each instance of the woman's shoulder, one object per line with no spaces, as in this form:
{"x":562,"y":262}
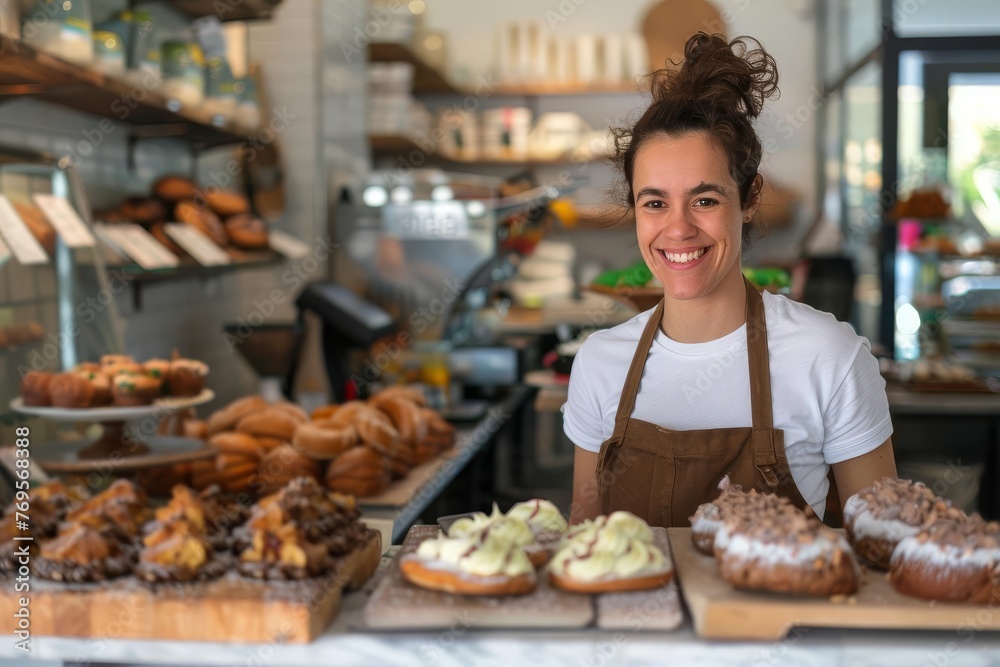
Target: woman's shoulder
{"x":792,"y":323}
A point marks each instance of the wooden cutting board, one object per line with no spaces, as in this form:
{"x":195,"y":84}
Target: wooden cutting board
{"x":228,"y":609}
{"x":721,"y":612}
{"x":396,"y":604}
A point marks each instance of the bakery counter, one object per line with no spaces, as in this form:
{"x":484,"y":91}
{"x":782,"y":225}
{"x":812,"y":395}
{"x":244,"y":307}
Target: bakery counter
{"x":347,"y":643}
{"x":505,"y":417}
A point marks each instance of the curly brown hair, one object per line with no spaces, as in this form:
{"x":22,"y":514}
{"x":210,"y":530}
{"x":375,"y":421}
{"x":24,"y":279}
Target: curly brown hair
{"x":719,"y":89}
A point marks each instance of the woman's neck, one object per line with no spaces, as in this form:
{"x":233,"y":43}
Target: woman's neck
{"x":710,"y":317}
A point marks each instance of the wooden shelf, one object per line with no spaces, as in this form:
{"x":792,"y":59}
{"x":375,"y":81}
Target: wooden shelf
{"x":399,"y":145}
{"x":227,"y":10}
{"x":188,"y":269}
{"x":426,"y":79}
{"x":27,"y":72}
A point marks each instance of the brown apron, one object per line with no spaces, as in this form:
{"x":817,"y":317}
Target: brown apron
{"x":663,"y":475}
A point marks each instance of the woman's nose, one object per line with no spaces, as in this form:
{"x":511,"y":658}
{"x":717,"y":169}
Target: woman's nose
{"x":678,"y":226}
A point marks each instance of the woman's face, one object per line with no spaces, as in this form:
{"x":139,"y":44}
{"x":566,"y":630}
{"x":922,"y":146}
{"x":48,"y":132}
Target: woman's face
{"x":687,"y":213}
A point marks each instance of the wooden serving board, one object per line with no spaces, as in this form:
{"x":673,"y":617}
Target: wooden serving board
{"x":396,"y":604}
{"x":721,"y":612}
{"x":227,"y":609}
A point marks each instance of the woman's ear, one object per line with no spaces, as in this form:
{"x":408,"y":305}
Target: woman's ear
{"x":753,"y":198}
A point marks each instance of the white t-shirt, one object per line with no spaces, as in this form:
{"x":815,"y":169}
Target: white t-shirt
{"x":827,"y":394}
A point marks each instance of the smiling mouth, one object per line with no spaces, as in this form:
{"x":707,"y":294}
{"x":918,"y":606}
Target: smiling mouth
{"x":683,"y":257}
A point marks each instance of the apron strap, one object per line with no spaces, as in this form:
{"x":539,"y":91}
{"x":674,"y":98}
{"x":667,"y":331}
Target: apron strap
{"x":765,"y":454}
{"x":627,"y":401}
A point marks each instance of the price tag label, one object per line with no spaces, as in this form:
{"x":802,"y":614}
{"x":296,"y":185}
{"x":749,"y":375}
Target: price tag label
{"x":138,"y":244}
{"x":68,"y":224}
{"x":288,"y":245}
{"x":202,"y":248}
{"x":19,"y":238}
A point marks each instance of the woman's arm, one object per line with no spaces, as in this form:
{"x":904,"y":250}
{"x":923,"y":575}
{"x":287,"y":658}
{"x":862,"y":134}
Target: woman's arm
{"x":586,"y":498}
{"x":862,"y":471}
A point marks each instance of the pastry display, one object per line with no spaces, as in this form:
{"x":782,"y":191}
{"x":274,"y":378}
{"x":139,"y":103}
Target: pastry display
{"x":299,"y":532}
{"x":48,"y":505}
{"x":477,"y":565}
{"x":879,"y":517}
{"x":120,"y":510}
{"x":611,"y":553}
{"x":247,"y":231}
{"x":81,"y":553}
{"x":177,"y":551}
{"x":505,"y":528}
{"x":203,"y":220}
{"x":955,"y":559}
{"x":785,"y":551}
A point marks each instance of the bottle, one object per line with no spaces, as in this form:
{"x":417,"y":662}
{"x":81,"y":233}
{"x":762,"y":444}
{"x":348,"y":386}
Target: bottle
{"x":908,"y":277}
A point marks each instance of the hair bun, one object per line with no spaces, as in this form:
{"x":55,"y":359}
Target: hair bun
{"x":720,"y":72}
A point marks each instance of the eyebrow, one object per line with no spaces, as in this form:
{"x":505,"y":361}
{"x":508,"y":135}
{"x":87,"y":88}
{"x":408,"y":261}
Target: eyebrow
{"x":701,"y":188}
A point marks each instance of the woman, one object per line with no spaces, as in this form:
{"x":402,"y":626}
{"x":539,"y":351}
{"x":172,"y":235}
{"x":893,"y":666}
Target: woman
{"x":718,"y":379}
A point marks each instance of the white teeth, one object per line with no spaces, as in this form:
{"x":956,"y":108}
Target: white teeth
{"x":684,"y":256}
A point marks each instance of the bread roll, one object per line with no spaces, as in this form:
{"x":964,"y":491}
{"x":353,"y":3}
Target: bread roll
{"x":226,"y":203}
{"x":227,"y":418}
{"x":175,"y":188}
{"x":319,"y":441}
{"x":246,"y":231}
{"x":407,"y":417}
{"x":281,"y":465}
{"x":239,"y":444}
{"x":203,"y":220}
{"x":360,"y":471}
{"x":269,"y":423}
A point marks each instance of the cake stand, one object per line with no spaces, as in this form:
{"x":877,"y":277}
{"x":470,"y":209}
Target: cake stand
{"x":128,"y":439}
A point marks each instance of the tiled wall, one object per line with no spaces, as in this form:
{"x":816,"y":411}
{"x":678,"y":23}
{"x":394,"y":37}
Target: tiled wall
{"x":189,"y":315}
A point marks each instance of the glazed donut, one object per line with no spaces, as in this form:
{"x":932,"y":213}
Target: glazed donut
{"x":360,"y":471}
{"x":238,"y":444}
{"x":318,"y":442}
{"x":406,"y":416}
{"x":270,"y":423}
{"x":227,"y":418}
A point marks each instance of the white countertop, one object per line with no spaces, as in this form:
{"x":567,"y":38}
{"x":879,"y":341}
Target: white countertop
{"x":347,"y":644}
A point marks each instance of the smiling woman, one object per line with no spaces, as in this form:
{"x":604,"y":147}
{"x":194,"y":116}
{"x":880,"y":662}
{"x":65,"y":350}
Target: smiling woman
{"x":707,"y":356}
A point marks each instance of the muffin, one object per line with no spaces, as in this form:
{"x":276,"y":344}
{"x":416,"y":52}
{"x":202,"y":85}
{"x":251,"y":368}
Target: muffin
{"x":186,"y":377}
{"x":69,"y":390}
{"x":101,"y":385}
{"x":35,"y":387}
{"x":132,"y":389}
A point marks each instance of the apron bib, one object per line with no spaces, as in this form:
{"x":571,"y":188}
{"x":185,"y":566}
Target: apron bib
{"x":662,"y":475}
